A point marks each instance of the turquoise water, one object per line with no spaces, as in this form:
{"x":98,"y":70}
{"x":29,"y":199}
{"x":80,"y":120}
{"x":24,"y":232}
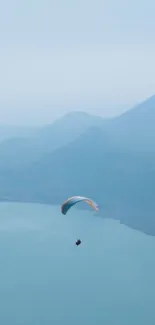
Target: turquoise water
{"x":45,"y":279}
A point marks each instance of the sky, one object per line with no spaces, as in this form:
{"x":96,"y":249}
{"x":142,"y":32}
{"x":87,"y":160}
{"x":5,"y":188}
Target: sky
{"x":60,"y":56}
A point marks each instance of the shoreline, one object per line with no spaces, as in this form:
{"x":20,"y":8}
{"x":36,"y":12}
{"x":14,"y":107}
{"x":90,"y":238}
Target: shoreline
{"x":7,"y":201}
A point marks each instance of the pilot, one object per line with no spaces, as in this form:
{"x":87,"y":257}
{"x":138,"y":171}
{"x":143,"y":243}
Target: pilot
{"x":78,"y":242}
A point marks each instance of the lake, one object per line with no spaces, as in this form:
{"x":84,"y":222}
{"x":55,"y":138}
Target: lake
{"x":45,"y":279}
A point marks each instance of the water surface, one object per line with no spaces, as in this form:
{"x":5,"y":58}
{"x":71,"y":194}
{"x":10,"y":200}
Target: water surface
{"x":45,"y":279}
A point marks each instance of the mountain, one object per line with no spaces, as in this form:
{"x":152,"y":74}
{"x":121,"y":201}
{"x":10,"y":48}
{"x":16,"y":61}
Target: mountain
{"x":68,"y":128}
{"x":112,"y":161}
{"x":23,"y":150}
{"x":10,"y":131}
{"x":113,"y":177}
{"x":135,"y":129}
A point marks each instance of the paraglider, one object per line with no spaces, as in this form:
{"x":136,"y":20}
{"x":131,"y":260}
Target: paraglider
{"x":78,"y":242}
{"x":72,"y":201}
{"x":76,"y":199}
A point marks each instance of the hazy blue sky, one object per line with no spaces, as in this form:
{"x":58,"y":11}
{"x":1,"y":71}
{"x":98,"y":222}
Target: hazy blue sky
{"x":58,"y":56}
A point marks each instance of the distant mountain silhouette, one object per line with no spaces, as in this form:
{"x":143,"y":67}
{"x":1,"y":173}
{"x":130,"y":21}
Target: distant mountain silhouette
{"x":112,"y":161}
{"x":31,"y":147}
{"x":135,"y":129}
{"x":11,"y":131}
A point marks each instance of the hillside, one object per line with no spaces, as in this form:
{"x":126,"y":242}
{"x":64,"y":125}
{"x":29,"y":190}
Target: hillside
{"x":135,"y":129}
{"x":22,"y":150}
{"x":102,"y":163}
{"x":115,"y":179}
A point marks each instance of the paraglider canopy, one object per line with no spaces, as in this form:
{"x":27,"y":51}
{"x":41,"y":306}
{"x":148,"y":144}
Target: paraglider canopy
{"x":72,"y":201}
{"x":76,"y":199}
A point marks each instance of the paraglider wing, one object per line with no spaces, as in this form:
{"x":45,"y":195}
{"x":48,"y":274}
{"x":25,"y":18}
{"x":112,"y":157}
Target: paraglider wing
{"x":76,"y":199}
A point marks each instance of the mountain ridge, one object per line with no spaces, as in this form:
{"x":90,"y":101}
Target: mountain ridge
{"x":112,"y":161}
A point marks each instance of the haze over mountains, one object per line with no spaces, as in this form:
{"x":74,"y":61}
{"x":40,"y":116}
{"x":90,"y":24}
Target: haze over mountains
{"x":30,"y":146}
{"x":112,"y":161}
